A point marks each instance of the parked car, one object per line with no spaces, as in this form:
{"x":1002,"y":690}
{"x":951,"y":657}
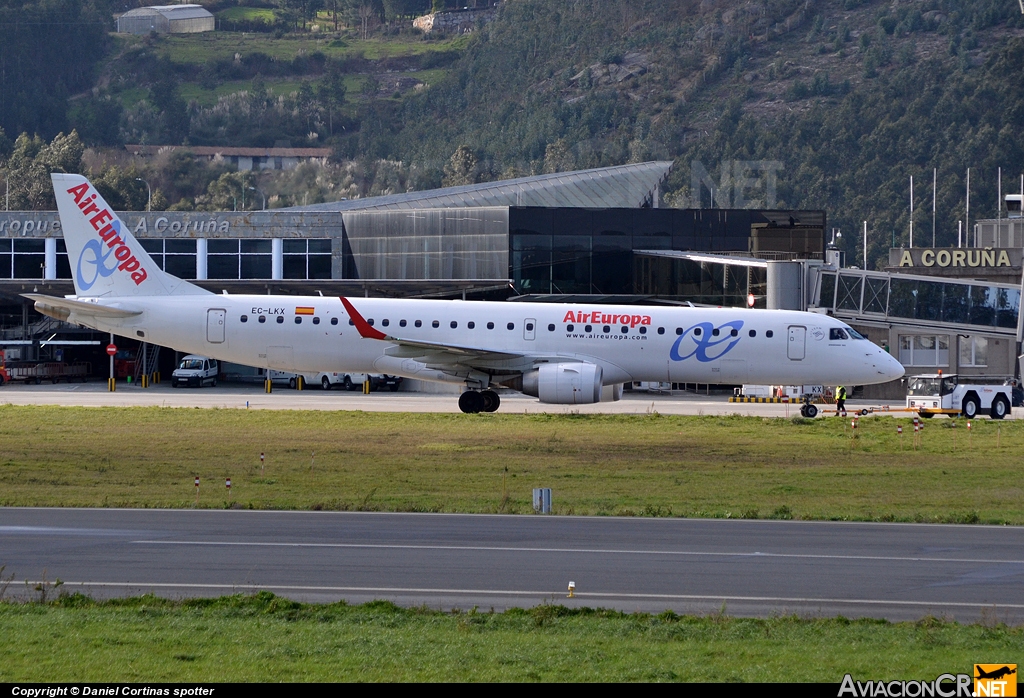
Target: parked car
{"x":195,"y":371}
{"x":351,"y":381}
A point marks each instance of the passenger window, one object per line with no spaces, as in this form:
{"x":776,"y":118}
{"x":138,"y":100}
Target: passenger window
{"x":370,"y":322}
{"x":454,"y":324}
{"x":419,"y":323}
{"x":263,"y":318}
{"x":280,"y":319}
{"x":471,"y":325}
{"x":625,"y":329}
{"x":385,"y":322}
{"x":511,"y":326}
{"x":298,"y":320}
{"x":401,"y":323}
{"x":769,"y":334}
{"x":551,"y":328}
{"x":608,"y":329}
{"x":588,"y":328}
{"x":490,"y":325}
{"x":244,"y":318}
{"x":679,"y":330}
{"x":316,"y":321}
{"x":734,"y":333}
{"x":529,"y":327}
{"x":435,"y":324}
{"x":643,"y":330}
{"x":570,"y":328}
{"x":661,"y":330}
{"x":715,"y":332}
{"x":696,"y":332}
{"x":334,"y":321}
{"x":752,"y":333}
{"x":351,"y":322}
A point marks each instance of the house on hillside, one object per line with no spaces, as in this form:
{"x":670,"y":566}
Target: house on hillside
{"x":166,"y":19}
{"x":242,"y":158}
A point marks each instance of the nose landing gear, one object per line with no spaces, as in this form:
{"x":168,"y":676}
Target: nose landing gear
{"x":473,"y":401}
{"x":807,"y":409}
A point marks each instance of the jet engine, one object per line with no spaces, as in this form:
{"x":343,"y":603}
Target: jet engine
{"x":564,"y":383}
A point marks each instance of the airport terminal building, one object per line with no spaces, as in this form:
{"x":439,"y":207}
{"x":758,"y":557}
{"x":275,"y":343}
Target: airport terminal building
{"x":596,"y":235}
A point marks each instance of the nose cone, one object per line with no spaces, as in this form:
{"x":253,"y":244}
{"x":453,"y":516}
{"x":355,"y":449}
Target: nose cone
{"x":893,"y":369}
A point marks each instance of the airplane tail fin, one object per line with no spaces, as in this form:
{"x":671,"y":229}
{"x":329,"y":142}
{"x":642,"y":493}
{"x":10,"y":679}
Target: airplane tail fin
{"x":106,"y":259}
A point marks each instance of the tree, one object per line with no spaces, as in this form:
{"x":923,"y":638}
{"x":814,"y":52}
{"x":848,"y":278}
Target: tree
{"x":31,"y":163}
{"x":461,"y":169}
{"x":331,"y":93}
{"x":558,"y":157}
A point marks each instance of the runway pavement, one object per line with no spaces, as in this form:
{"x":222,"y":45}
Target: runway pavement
{"x":237,"y":396}
{"x":754,"y":568}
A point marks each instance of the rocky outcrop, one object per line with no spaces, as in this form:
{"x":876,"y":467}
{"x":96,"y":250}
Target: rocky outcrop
{"x":455,"y":22}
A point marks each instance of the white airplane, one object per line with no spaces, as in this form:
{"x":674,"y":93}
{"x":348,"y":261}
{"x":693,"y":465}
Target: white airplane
{"x":559,"y":353}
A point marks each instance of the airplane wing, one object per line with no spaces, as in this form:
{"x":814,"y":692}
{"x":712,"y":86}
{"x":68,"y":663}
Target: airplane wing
{"x":60,"y":308}
{"x":437,"y":354}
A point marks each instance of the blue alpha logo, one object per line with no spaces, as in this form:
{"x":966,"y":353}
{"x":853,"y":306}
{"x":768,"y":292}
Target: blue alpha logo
{"x":92,"y":254}
{"x":706,"y":342}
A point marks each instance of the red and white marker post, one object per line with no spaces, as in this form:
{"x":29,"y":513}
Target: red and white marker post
{"x":197,"y":490}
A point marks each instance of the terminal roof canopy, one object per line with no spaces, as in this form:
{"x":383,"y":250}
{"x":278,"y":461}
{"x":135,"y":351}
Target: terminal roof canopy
{"x":625,"y":186}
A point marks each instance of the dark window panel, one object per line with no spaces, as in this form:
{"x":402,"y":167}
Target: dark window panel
{"x":172,"y":246}
{"x":63,"y":267}
{"x":294,"y":266}
{"x":5,"y":266}
{"x":183,"y":266}
{"x":28,"y":266}
{"x":320,"y":266}
{"x":30,"y":245}
{"x":152,"y":246}
{"x":222,"y":266}
{"x":320,"y":246}
{"x":257,"y":246}
{"x":294,"y":247}
{"x":222,"y":246}
{"x":256,"y":266}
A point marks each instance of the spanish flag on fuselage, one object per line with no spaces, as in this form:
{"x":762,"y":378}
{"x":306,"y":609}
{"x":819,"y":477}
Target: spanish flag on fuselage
{"x":303,"y":310}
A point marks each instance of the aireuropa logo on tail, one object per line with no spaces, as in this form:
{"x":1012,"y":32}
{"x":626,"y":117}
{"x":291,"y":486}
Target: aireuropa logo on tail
{"x":108,"y":230}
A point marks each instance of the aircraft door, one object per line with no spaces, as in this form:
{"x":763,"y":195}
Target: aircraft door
{"x":797,"y":339}
{"x":215,"y":325}
{"x":530,"y":329}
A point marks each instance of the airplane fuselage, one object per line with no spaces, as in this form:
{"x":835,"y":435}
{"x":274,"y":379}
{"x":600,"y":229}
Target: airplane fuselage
{"x":629,"y":343}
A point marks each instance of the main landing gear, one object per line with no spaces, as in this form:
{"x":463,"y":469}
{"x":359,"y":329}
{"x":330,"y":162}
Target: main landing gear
{"x":472,"y":401}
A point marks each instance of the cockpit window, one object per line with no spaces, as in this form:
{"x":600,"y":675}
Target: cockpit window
{"x":837,"y":333}
{"x":854,"y":334}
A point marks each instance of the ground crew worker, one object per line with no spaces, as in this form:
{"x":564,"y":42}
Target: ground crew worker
{"x":841,"y":400}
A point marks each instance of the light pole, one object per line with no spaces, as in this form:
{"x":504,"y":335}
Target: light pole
{"x":149,"y":190}
{"x":261,"y":194}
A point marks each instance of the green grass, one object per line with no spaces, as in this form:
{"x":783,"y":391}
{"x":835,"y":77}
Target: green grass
{"x":237,"y":14}
{"x":211,"y":46}
{"x":267,"y":638}
{"x":603,"y":464}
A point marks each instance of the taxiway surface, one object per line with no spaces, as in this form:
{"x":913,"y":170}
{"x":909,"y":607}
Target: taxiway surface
{"x":236,"y":396}
{"x":754,"y":568}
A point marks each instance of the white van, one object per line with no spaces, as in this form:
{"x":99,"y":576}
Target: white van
{"x":195,"y":371}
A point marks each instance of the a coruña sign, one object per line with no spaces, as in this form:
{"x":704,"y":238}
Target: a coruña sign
{"x":956,"y":257}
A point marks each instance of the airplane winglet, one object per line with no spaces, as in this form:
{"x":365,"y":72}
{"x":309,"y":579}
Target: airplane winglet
{"x":366,"y":331}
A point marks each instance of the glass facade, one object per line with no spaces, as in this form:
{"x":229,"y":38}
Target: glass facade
{"x":307,"y":259}
{"x":909,"y":298}
{"x":704,"y":282}
{"x":176,"y":256}
{"x":573,"y":250}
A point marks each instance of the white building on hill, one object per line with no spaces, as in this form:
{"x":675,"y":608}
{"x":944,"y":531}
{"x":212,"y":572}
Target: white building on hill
{"x":166,"y":19}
